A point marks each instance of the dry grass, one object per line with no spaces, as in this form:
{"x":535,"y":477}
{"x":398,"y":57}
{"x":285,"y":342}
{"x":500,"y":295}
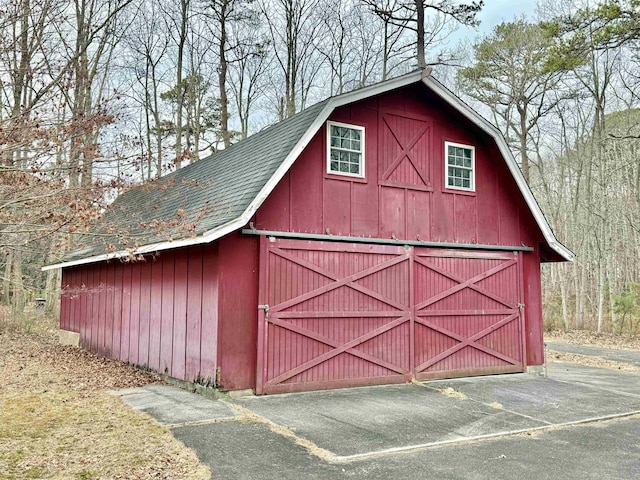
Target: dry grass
{"x":57,"y":421}
{"x":450,"y":392}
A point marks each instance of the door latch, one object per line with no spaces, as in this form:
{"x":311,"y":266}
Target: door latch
{"x":264,"y":307}
{"x":520,"y":306}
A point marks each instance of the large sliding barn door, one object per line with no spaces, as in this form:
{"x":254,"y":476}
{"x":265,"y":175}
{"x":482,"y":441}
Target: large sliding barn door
{"x":337,"y":314}
{"x":467,"y":315}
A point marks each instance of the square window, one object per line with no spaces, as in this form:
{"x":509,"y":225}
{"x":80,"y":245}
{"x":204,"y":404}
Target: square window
{"x":459,"y":160}
{"x":345,"y":149}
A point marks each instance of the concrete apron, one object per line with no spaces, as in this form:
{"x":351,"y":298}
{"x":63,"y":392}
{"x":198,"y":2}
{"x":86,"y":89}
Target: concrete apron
{"x":359,"y":423}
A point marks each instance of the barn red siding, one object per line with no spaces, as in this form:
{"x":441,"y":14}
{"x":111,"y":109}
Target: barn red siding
{"x":192,"y":312}
{"x":393,"y":199}
{"x":238,"y":311}
{"x":409,"y":200}
{"x":161,"y":313}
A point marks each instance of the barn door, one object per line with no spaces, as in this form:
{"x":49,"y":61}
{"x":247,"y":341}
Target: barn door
{"x":332,"y":315}
{"x":405,"y":146}
{"x":468,"y":317}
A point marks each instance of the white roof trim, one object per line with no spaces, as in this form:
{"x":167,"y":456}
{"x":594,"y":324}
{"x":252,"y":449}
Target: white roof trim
{"x":322,"y":117}
{"x":493,"y":131}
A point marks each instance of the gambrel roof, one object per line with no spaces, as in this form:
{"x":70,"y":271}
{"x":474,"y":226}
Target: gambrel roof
{"x":219,"y":194}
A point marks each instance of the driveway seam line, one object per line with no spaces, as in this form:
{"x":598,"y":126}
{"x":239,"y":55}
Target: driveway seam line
{"x":211,"y":421}
{"x":583,"y":384}
{"x":284,"y":431}
{"x":539,"y":420}
{"x":464,"y":440}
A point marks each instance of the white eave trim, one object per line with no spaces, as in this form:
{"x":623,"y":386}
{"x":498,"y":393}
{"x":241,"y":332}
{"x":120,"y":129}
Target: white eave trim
{"x":332,"y":104}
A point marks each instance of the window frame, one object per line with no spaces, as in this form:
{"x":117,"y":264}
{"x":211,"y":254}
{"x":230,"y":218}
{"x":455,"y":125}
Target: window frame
{"x":360,"y":128}
{"x":472,"y":188}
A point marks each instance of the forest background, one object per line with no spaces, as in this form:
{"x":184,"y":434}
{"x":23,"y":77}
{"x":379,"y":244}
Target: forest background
{"x":97,"y":96}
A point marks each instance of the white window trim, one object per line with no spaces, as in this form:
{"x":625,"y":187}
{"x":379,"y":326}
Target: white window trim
{"x":362,"y":149}
{"x":446,"y":166}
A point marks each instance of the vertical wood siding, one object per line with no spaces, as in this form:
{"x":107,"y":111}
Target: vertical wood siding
{"x":404,"y":192}
{"x":161,"y":313}
{"x":395,"y":200}
{"x":351,"y":314}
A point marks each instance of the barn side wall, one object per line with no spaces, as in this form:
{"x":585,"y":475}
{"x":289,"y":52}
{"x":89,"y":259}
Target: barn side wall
{"x":310,"y":200}
{"x":161,"y":313}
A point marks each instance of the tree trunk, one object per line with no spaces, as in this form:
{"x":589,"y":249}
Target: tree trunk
{"x":222,"y":76}
{"x":6,"y":279}
{"x":184,"y":6}
{"x":52,"y":293}
{"x":422,"y":63}
{"x":17,"y":288}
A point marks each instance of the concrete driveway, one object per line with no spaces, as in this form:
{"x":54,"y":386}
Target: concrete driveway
{"x":578,"y":423}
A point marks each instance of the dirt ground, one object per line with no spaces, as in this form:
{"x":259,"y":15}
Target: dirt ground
{"x":603,"y":340}
{"x":586,"y":337}
{"x":58,"y":422}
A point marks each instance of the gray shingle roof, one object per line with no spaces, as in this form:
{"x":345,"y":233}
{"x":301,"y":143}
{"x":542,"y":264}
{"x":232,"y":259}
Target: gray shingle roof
{"x":198,"y":197}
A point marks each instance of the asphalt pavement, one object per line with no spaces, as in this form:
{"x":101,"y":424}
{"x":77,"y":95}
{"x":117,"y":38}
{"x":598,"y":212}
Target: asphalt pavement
{"x":580,"y":422}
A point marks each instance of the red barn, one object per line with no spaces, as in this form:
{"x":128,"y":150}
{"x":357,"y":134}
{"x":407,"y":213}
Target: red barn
{"x":379,"y":236}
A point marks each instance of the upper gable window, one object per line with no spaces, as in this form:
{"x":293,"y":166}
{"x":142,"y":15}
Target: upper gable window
{"x":460,"y":166}
{"x":345,"y":149}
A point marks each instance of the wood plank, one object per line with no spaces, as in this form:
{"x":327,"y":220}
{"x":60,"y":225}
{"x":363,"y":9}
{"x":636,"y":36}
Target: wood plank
{"x":125,"y":336}
{"x":134,"y":317}
{"x":166,"y":322}
{"x":194,"y":313}
{"x":155,"y":313}
{"x":146,"y":310}
{"x":180,"y":296}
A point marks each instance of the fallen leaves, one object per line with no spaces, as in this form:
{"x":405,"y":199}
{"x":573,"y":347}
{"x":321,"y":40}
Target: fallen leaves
{"x":57,"y":421}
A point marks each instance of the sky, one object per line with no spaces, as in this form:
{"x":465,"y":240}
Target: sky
{"x":495,"y":12}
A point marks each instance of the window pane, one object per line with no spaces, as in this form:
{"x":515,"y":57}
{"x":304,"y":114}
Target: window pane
{"x":355,"y":134}
{"x":335,"y":142}
{"x":457,"y":182}
{"x":458,"y":161}
{"x":466,"y":183}
{"x":334,"y":166}
{"x":459,"y":151}
{"x":467,"y":153}
{"x":452,"y":150}
{"x":466,"y":174}
{"x":354,"y":157}
{"x":355,"y":145}
{"x":344,"y":167}
{"x":355,"y":168}
{"x":344,"y":143}
{"x":335,"y":154}
{"x":335,"y":131}
{"x":467,"y":162}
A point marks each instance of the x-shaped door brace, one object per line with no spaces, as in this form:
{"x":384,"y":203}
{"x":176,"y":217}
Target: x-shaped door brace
{"x":276,"y":314}
{"x":472,"y":341}
{"x":348,"y":281}
{"x":338,"y":348}
{"x":406,"y":152}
